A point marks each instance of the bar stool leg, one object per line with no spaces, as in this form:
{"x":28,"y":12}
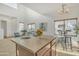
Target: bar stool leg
{"x":65,"y":44}
{"x":70,"y":43}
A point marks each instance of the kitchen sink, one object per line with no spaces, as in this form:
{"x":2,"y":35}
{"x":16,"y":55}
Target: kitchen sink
{"x":25,"y":37}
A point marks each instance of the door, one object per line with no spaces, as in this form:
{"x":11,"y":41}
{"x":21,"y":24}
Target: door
{"x":4,"y":28}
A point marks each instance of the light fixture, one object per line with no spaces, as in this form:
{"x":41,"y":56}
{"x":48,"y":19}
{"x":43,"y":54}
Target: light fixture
{"x":64,"y":9}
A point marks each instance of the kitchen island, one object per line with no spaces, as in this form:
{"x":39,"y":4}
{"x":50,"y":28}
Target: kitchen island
{"x":34,"y":46}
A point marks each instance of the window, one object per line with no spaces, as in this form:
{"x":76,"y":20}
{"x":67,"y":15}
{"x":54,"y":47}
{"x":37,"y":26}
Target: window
{"x":31,"y":27}
{"x":21,"y":26}
{"x":66,"y":27}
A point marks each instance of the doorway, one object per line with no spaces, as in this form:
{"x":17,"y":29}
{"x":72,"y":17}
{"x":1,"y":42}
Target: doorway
{"x":4,"y":28}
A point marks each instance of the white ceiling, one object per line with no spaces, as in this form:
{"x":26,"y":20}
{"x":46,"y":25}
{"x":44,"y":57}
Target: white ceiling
{"x":48,"y":9}
{"x":13,"y":5}
{"x":8,"y":9}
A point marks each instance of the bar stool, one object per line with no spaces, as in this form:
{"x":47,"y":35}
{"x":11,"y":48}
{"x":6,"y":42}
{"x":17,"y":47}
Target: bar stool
{"x":68,"y":42}
{"x":60,"y":39}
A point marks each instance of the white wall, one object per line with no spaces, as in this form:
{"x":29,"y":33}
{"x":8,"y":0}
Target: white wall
{"x":31,"y":16}
{"x":9,"y":15}
{"x":11,"y":24}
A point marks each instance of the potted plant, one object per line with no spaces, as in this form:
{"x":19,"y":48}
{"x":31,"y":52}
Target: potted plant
{"x":39,"y":32}
{"x":77,"y":29}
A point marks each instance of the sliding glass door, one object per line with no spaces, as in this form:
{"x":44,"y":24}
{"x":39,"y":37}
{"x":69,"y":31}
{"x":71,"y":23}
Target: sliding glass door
{"x":70,"y":27}
{"x":66,"y":26}
{"x":59,"y":27}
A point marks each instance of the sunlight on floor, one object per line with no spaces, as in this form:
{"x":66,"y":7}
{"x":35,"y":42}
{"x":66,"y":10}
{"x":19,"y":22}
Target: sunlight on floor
{"x":61,"y":52}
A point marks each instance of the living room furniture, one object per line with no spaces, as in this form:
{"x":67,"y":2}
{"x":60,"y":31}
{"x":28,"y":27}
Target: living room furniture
{"x":17,"y":34}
